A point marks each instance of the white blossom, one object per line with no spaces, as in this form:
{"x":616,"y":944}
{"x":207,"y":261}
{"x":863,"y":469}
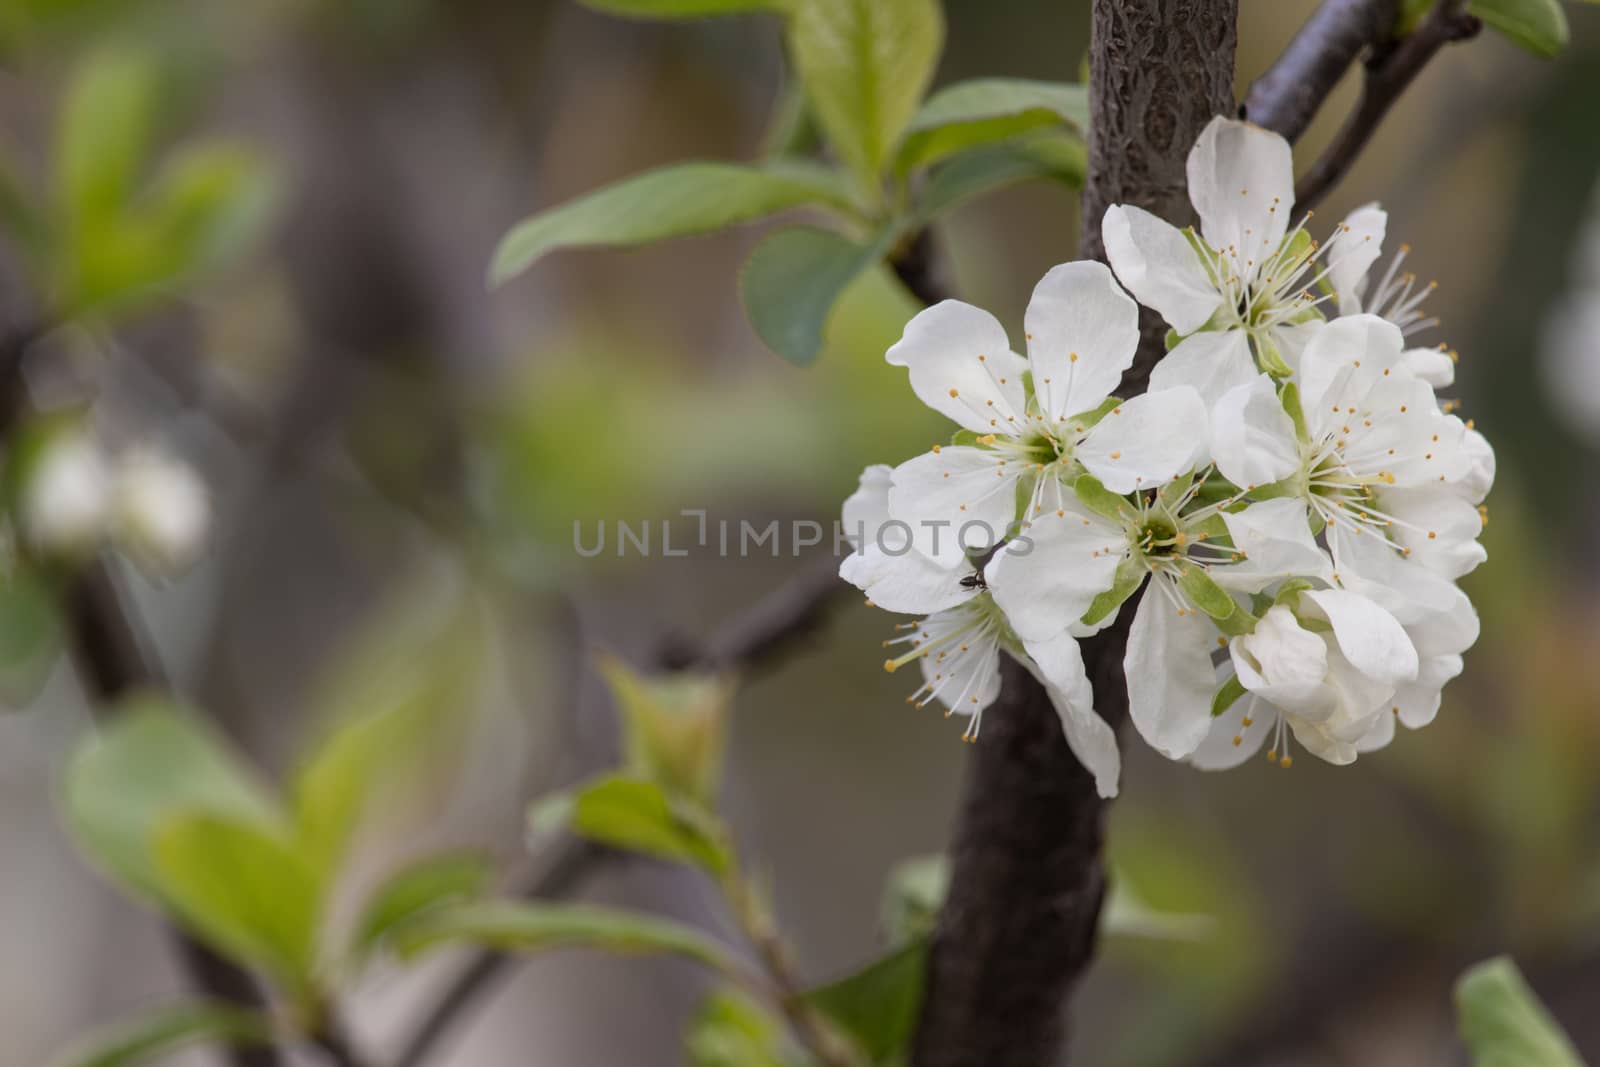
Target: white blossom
{"x":162,"y":510}
{"x":66,"y":501}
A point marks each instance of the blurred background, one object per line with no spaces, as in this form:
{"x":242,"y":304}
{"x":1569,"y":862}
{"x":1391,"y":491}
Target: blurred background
{"x":386,"y":439}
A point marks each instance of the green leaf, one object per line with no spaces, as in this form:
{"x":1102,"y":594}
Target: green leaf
{"x":675,"y":727}
{"x":167,"y":1030}
{"x":1098,"y":499}
{"x":675,"y":201}
{"x":1289,"y":397}
{"x":985,"y":110}
{"x":865,"y":65}
{"x":1130,"y":575}
{"x":1126,"y":914}
{"x":1206,"y":594}
{"x":878,"y":1004}
{"x":244,"y":890}
{"x":791,"y":282}
{"x":1049,"y":155}
{"x":30,"y":634}
{"x":1540,"y":26}
{"x":1503,"y":1022}
{"x":913,"y":896}
{"x":1227,"y":693}
{"x":516,"y":926}
{"x":636,"y":815}
{"x":149,"y":764}
{"x":104,"y":135}
{"x":415,"y":889}
{"x":732,"y":1029}
{"x":212,"y":200}
{"x":680,"y":9}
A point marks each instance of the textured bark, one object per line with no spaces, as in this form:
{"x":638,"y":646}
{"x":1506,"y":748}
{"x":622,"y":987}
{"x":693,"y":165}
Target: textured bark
{"x":1018,"y":926}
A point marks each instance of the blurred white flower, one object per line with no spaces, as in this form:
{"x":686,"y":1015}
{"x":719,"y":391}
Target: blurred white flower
{"x":163,"y":511}
{"x":66,"y":501}
{"x":1571,"y":343}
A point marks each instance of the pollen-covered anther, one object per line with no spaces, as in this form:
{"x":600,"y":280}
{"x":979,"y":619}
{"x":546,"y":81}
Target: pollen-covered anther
{"x":955,"y":392}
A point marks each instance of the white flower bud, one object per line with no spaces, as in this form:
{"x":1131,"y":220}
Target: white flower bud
{"x":66,"y":501}
{"x":163,"y":511}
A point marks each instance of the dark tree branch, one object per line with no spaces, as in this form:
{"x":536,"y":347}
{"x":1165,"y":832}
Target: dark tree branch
{"x":1289,"y":94}
{"x":1389,"y":71}
{"x":1019,"y":924}
{"x":771,"y":627}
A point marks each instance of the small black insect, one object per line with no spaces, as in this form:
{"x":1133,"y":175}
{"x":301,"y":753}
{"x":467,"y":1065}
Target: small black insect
{"x":974,"y":581}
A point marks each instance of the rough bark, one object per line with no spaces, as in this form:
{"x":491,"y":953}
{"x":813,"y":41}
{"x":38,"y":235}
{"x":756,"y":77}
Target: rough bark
{"x":1018,"y":926}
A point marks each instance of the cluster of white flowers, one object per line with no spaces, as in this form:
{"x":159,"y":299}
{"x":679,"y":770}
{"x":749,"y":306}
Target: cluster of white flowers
{"x":1299,"y":499}
{"x":76,"y":496}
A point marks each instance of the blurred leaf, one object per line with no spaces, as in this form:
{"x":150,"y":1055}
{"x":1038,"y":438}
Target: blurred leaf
{"x":674,"y":201}
{"x":1055,"y":156}
{"x":669,"y":9}
{"x":104,"y":136}
{"x":985,"y":110}
{"x":167,"y":1030}
{"x":149,"y":764}
{"x":244,"y":890}
{"x":1540,"y":26}
{"x":791,"y":282}
{"x":675,"y":727}
{"x":1503,"y":1022}
{"x":878,"y":1004}
{"x":19,"y":216}
{"x":913,"y":896}
{"x":636,"y":815}
{"x":732,"y":1029}
{"x":865,"y":65}
{"x":426,"y":884}
{"x":514,"y":926}
{"x":1127,"y":915}
{"x":30,"y":635}
{"x":211,"y":200}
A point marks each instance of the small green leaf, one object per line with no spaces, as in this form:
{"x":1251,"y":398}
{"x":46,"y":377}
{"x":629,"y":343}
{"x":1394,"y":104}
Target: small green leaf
{"x":244,"y":890}
{"x":167,"y":1030}
{"x":1227,"y":694}
{"x":680,"y":9}
{"x":675,"y":727}
{"x":865,"y":65}
{"x":149,"y":764}
{"x":1130,"y":575}
{"x":212,"y":200}
{"x":409,"y":892}
{"x":1503,"y":1023}
{"x":632,"y":814}
{"x":104,"y":135}
{"x":913,"y":896}
{"x":675,"y":201}
{"x":1045,"y":155}
{"x":877,"y":1005}
{"x":30,"y":634}
{"x":1289,"y":592}
{"x":1540,"y":26}
{"x":1268,"y":356}
{"x":732,"y":1029}
{"x":1206,"y":594}
{"x":985,"y":110}
{"x":791,"y":282}
{"x":1098,"y":499}
{"x":1127,"y":915}
{"x":515,"y":926}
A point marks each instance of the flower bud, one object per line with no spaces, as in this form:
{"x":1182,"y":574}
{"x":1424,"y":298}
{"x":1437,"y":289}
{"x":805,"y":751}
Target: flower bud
{"x":675,"y":728}
{"x":162,"y":511}
{"x":66,"y":496}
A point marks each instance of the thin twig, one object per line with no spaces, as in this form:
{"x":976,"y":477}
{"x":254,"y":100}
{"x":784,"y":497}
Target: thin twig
{"x":1293,"y":89}
{"x":1388,"y":73}
{"x":760,"y":635}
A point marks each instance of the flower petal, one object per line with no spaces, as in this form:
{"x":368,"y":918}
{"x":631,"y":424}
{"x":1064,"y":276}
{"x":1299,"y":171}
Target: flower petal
{"x":1170,"y":678}
{"x":964,"y":675}
{"x":1342,"y":363}
{"x":1060,"y":667}
{"x":1211,"y":363}
{"x":952,"y":499}
{"x":1431,"y":365}
{"x":1368,"y":565}
{"x":1252,"y":438}
{"x":907,"y":582}
{"x":1378,"y":735}
{"x":1046,"y":578}
{"x":1275,"y":538}
{"x":1284,"y":664}
{"x":1241,"y":181}
{"x":1370,"y":638}
{"x":962,"y":366}
{"x":1155,"y":260}
{"x":867,"y":509}
{"x":1147,"y":441}
{"x":1082,"y":331}
{"x":1230,"y":742}
{"x":1438,"y":526}
{"x":1417,"y":703}
{"x":1350,"y":253}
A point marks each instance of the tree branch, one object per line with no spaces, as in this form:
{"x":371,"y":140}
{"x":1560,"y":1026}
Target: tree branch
{"x":1019,"y":923}
{"x":1389,"y":71}
{"x":1289,"y":94}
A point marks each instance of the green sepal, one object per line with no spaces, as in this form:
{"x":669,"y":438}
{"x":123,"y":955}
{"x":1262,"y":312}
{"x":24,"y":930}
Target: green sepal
{"x":1230,"y":691}
{"x":1290,"y":486}
{"x":1174,"y":490}
{"x":1239,"y":624}
{"x":1267,"y":356}
{"x":1171,"y":339}
{"x":1086,"y":419}
{"x":1206,"y":594}
{"x":1289,"y":397}
{"x":1098,"y":499}
{"x":1289,"y":592}
{"x":1214,"y":529}
{"x":1130,"y":574}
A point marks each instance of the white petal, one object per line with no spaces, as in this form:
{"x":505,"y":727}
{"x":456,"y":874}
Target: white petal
{"x":964,"y":675}
{"x":962,"y":365}
{"x":1046,"y":578}
{"x":1170,"y":679}
{"x":1145,"y":442}
{"x":1211,"y":363}
{"x":1446,"y":633}
{"x":1284,"y":664}
{"x":1439,"y":527}
{"x":1351,"y":252}
{"x":1291,"y":341}
{"x":1417,"y":703}
{"x":1241,"y":181}
{"x":1370,"y":638}
{"x":907,"y":582}
{"x":867,"y":509}
{"x":1082,"y":331}
{"x":954,"y":498}
{"x":1368,"y":565}
{"x":1342,"y":362}
{"x":1431,"y":365}
{"x":1060,"y":667}
{"x":1155,"y":260}
{"x":1275,"y":537}
{"x":1252,"y":438}
{"x":1219,"y":752}
{"x":1378,"y":735}
{"x":1479,"y":477}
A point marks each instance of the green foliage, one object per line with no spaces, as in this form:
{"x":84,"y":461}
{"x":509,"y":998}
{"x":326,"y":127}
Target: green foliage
{"x":667,"y":9}
{"x":1540,"y":26}
{"x":791,"y":282}
{"x":674,"y":201}
{"x":105,"y":133}
{"x":1130,"y":575}
{"x":1048,"y":156}
{"x":167,"y":1030}
{"x":412,"y":891}
{"x":1503,"y":1022}
{"x":877,"y":1005}
{"x":980,"y":112}
{"x":30,"y":634}
{"x":732,"y":1029}
{"x":912,"y":897}
{"x":675,"y":728}
{"x":515,"y":926}
{"x":637,"y":815}
{"x":1207,"y":595}
{"x":1227,"y":693}
{"x":865,"y":65}
{"x":1098,"y":499}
